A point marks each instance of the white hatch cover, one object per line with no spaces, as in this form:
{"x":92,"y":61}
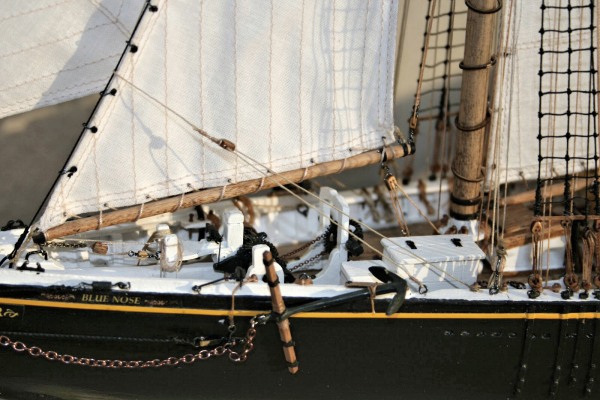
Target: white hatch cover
{"x":432,"y":249}
{"x":438,"y":261}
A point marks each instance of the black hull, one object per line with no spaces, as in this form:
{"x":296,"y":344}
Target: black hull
{"x":431,"y":349}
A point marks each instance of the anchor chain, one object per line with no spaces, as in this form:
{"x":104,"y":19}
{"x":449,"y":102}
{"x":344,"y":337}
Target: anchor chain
{"x":329,"y":239}
{"x":66,"y":244}
{"x":225,"y":349}
{"x":144,"y":254}
{"x":308,"y":261}
{"x":307,"y":245}
{"x":313,"y":259}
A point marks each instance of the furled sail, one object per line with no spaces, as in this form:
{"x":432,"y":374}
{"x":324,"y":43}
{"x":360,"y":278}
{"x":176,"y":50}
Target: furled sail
{"x":560,"y":94}
{"x":291,"y":84}
{"x":74,"y":46}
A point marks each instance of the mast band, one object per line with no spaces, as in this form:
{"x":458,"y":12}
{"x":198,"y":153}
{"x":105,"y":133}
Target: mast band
{"x":466,"y":202}
{"x":464,"y":217}
{"x":480,"y":11}
{"x":408,"y":148}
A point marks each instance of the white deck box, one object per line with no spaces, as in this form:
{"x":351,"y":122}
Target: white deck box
{"x":437,"y":261}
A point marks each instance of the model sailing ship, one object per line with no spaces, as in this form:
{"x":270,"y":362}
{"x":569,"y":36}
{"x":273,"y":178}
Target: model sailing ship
{"x":105,"y":290}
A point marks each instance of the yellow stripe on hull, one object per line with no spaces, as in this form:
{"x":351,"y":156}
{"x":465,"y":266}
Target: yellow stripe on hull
{"x":321,"y":315}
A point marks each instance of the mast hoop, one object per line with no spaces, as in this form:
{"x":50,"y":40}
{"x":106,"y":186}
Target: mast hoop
{"x":489,"y":64}
{"x":482,"y":124}
{"x":471,"y":7}
{"x":480,"y":178}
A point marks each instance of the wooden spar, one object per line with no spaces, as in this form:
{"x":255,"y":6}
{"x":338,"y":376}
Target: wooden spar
{"x":553,"y":190}
{"x":472,"y":118}
{"x":278,"y":307}
{"x":163,"y":206}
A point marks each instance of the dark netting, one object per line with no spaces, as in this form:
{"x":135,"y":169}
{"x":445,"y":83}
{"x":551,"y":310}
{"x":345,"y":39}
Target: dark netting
{"x":568,"y":135}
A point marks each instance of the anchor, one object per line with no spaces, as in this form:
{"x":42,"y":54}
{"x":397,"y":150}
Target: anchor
{"x":280,"y":314}
{"x":392,"y":284}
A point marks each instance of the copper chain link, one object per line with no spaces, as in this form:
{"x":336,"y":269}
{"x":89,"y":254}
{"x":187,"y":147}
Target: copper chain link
{"x":227,"y":348}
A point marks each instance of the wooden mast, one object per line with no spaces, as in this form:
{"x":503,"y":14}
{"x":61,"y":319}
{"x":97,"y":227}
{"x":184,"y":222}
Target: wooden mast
{"x":473,"y":114}
{"x":133,"y":213}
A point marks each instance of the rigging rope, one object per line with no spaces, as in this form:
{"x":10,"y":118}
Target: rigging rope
{"x":577,"y":89}
{"x":589,"y":247}
{"x":392,"y":186}
{"x":567,"y":131}
{"x":253,"y":164}
{"x":438,"y":84}
{"x":229,"y":146}
{"x":27,"y":233}
{"x":494,"y":197}
{"x":413,"y":119}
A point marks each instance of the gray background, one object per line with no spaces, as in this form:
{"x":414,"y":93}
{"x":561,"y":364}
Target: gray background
{"x":33,"y":149}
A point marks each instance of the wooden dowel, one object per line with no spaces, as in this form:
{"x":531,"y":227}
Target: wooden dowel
{"x":469,"y":147}
{"x":278,"y":307}
{"x":557,"y":189}
{"x":131,"y":214}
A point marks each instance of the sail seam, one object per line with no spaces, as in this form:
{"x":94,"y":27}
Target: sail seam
{"x":270,"y":88}
{"x":57,"y":181}
{"x":166,"y":103}
{"x":300,"y":81}
{"x":33,"y":11}
{"x":387,"y":88}
{"x":333,"y":75}
{"x":141,"y":83}
{"x":18,"y":105}
{"x":112,"y":17}
{"x":201,"y":82}
{"x":58,"y":40}
{"x":235,"y":82}
{"x":379,"y":114}
{"x":83,"y":155}
{"x":132,"y":135}
{"x":62,"y":70}
{"x":362,"y":73}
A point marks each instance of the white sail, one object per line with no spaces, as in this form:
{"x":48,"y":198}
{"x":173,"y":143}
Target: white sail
{"x":514,"y":151}
{"x":54,"y":51}
{"x":292,"y":84}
